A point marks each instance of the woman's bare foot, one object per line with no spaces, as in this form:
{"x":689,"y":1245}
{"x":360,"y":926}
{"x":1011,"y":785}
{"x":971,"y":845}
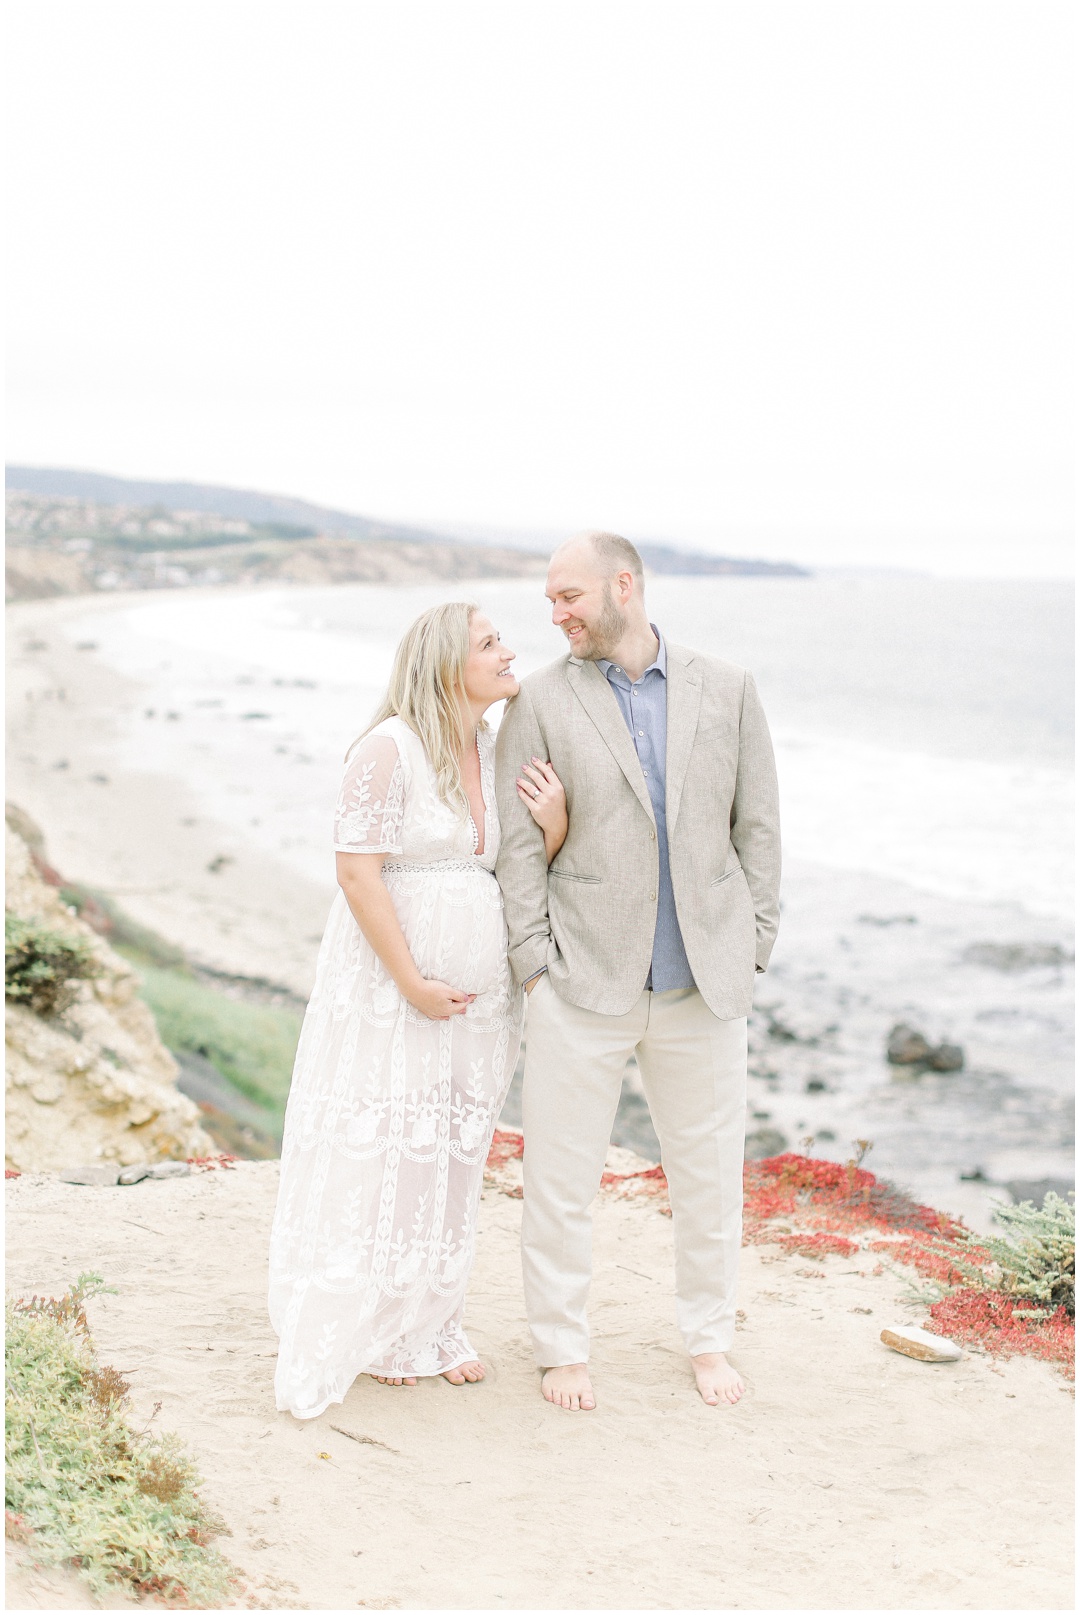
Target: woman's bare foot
{"x":716,"y":1379}
{"x":385,"y":1379}
{"x":465,"y":1373}
{"x":569,"y":1387}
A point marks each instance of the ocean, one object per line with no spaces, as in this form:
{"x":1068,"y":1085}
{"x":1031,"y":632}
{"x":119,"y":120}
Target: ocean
{"x":923,"y":727}
{"x":923,"y":732}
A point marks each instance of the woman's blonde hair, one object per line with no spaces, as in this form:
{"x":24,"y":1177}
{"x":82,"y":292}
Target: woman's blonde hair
{"x":426,"y":680}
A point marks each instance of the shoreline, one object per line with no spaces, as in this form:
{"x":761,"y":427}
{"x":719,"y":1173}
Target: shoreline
{"x":143,"y":838}
{"x":856,"y":954}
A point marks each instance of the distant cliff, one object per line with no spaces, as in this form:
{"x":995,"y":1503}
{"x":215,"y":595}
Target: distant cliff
{"x":74,"y":532}
{"x":692,"y":563}
{"x":72,"y":544}
{"x":264,"y":510}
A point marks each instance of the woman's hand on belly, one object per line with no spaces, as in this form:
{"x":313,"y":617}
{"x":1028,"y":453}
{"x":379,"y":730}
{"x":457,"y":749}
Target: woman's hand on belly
{"x":439,"y":1001}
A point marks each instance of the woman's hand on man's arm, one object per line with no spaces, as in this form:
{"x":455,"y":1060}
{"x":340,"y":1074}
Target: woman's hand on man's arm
{"x":542,"y":792}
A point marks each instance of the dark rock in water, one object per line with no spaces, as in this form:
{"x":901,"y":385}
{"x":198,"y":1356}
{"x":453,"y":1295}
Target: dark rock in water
{"x":783,"y":1032}
{"x":888,"y":919}
{"x":763,"y":1142}
{"x":906,"y":1046}
{"x":815,"y":1085}
{"x":101,"y":1177}
{"x":1012,"y":956}
{"x":1037,"y":1189}
{"x":946,"y":1057}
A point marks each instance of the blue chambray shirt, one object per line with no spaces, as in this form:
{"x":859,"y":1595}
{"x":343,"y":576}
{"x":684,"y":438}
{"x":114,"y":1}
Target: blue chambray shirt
{"x":644,"y":706}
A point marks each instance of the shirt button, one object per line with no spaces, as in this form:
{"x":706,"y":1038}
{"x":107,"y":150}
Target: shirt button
{"x":645,"y":771}
{"x":641,"y":731}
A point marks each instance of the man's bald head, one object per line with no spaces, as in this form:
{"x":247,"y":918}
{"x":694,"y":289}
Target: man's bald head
{"x":607,"y":553}
{"x":594,"y":584}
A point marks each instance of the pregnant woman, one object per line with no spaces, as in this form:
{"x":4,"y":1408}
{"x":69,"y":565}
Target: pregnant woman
{"x":410,"y":1038}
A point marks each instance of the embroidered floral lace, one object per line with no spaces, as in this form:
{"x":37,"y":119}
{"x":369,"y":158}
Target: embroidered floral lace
{"x":390,"y":1114}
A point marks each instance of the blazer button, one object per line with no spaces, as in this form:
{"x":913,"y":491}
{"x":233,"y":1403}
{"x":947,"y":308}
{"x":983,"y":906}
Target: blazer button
{"x":652,"y":897}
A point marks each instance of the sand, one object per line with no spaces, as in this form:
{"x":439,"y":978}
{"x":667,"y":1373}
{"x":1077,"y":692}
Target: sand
{"x":849,"y":1477}
{"x":143,"y":838}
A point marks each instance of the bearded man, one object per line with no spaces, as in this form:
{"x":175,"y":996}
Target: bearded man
{"x":643,"y":937}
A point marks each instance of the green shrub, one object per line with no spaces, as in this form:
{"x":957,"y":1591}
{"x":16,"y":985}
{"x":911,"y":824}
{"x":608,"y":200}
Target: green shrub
{"x":43,"y":968}
{"x":83,"y":1486}
{"x":252,"y":1045}
{"x":1037,"y":1260}
{"x":137,"y":942}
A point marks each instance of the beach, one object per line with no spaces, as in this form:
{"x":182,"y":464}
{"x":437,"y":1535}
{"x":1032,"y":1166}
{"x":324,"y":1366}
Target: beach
{"x":181,"y":752}
{"x":326,"y":317}
{"x":848,"y":1477}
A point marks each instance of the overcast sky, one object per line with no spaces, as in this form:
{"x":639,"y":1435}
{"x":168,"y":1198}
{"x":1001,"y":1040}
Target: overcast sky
{"x":777,"y":279}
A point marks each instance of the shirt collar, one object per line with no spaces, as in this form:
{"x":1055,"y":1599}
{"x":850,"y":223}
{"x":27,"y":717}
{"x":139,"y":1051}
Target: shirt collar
{"x":658,"y":666}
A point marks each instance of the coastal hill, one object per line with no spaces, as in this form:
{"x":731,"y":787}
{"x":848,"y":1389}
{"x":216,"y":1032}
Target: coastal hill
{"x":74,"y":532}
{"x":267,"y":512}
{"x":88,"y":1077}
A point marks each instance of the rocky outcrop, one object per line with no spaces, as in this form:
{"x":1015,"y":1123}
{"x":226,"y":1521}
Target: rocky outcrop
{"x":95,"y":1083}
{"x":909,"y":1047}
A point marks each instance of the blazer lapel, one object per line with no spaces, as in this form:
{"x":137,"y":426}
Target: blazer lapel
{"x":683,"y":702}
{"x":596,"y":696}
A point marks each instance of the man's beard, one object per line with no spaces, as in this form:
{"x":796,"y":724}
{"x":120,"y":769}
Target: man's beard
{"x":604,"y":634}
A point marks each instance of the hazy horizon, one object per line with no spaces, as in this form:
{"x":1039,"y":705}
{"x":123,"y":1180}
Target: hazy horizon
{"x":541,"y":539}
{"x":777,"y":280}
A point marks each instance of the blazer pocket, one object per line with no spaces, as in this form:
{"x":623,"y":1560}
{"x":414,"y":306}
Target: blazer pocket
{"x":720,"y":879}
{"x":585,"y":880}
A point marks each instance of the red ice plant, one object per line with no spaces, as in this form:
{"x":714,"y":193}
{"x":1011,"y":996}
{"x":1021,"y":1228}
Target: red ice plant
{"x":834,"y":1208}
{"x":1005,"y":1327}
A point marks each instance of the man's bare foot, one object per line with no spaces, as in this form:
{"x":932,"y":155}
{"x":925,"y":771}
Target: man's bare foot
{"x":385,"y":1379}
{"x":716,"y":1379}
{"x":465,"y":1373}
{"x":568,"y":1387}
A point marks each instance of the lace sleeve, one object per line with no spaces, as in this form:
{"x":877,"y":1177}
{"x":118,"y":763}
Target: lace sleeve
{"x":371,"y":804}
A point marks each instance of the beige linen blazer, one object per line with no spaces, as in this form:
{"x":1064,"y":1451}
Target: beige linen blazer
{"x":590,"y":918}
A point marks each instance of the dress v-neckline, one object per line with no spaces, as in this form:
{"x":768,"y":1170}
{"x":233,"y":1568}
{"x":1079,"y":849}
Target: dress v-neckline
{"x":477,"y":849}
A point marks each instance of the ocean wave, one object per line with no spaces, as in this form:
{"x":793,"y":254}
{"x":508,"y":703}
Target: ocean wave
{"x":978,"y":831}
{"x":964,"y":828}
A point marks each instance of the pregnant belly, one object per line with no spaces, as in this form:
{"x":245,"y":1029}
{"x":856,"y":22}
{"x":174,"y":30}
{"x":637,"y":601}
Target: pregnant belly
{"x":454,"y":925}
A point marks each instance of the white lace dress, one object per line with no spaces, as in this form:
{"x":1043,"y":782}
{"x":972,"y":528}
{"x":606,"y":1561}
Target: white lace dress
{"x":390,"y":1114}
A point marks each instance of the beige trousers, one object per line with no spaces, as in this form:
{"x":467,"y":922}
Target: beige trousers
{"x":693,"y":1066}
